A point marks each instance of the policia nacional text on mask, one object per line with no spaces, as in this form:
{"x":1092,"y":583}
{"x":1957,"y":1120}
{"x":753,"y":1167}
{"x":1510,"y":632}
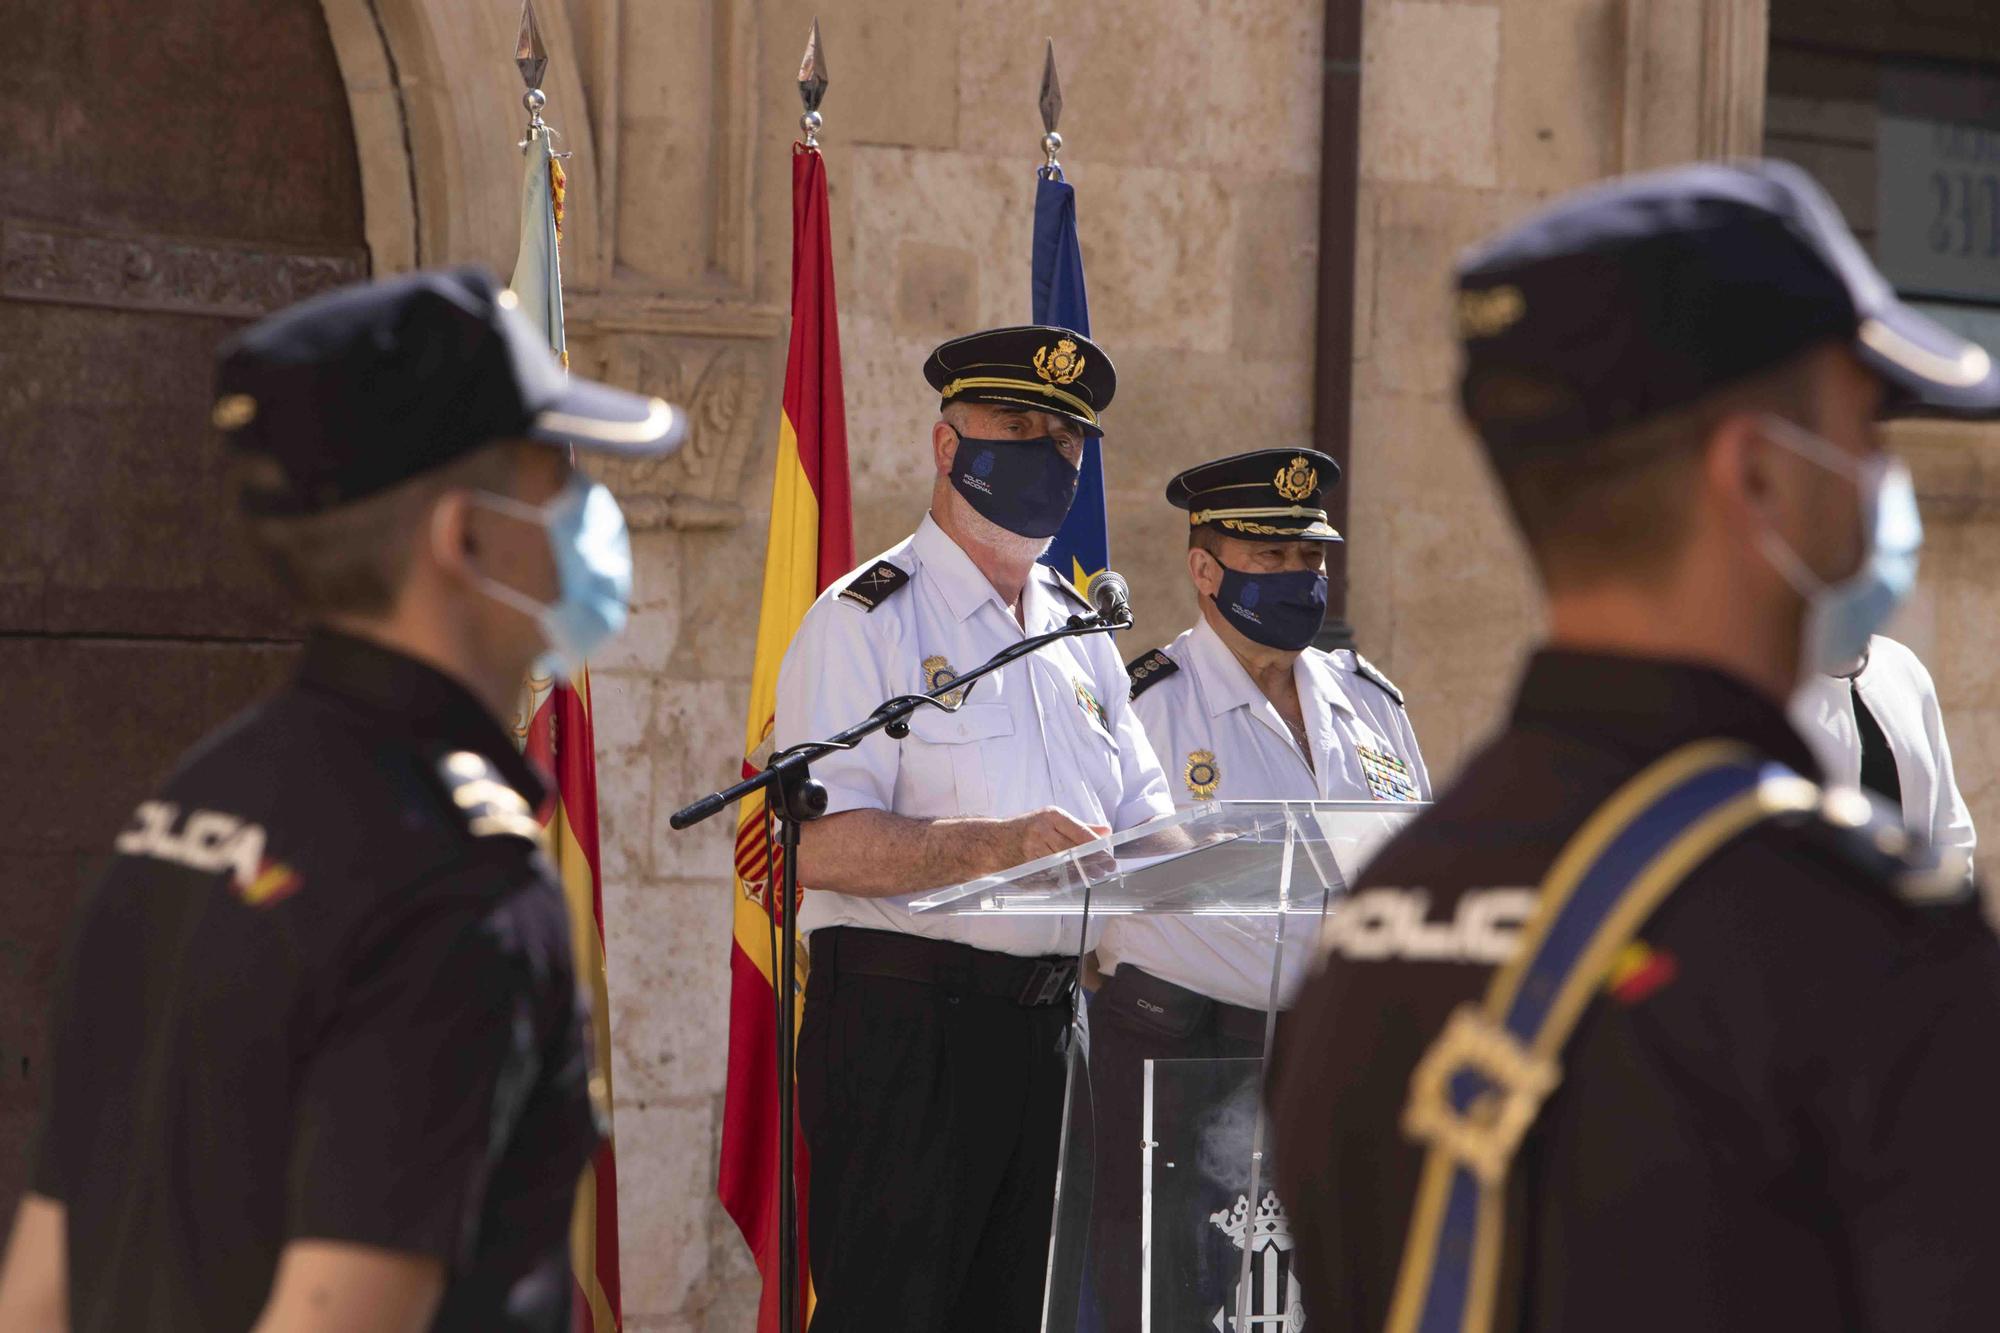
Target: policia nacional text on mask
{"x":1734,"y":1072}
{"x":319,"y":1056}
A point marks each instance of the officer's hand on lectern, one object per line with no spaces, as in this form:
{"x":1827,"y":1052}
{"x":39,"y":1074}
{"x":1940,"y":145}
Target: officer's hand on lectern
{"x":1046,"y":831}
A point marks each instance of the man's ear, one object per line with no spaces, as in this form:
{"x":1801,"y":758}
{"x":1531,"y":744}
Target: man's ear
{"x":1205,"y":570}
{"x":944,"y":446}
{"x":453,"y":545}
{"x":1737,"y":475}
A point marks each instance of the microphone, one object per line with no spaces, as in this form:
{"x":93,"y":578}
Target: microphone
{"x":1109,"y":594}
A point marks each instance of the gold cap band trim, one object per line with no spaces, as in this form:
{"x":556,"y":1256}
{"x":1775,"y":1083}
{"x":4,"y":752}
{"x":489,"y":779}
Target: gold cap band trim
{"x":958,"y":386}
{"x":1255,"y":529}
{"x":1200,"y":516}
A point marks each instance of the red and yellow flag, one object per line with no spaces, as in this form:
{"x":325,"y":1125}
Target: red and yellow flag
{"x":559,"y":737}
{"x":811,"y":544}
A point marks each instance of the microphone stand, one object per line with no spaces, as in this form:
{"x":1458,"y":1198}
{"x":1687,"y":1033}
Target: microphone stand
{"x":799,"y":799}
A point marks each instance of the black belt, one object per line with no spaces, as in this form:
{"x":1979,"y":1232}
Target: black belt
{"x":1030,"y":982}
{"x":1180,"y":1010}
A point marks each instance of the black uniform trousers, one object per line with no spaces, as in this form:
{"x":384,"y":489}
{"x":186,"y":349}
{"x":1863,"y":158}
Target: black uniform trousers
{"x":931,"y":1099}
{"x":1136,"y":1017}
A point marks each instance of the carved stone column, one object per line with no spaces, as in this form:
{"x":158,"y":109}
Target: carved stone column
{"x":1693,"y":80}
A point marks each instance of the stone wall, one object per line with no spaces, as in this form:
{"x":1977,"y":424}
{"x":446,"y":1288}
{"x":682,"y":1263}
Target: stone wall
{"x":1471,"y":115}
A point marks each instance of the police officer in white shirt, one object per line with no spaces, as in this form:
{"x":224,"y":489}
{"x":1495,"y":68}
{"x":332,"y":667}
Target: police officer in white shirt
{"x":1239,"y":707}
{"x":930,"y":1056}
{"x":1879,"y":727}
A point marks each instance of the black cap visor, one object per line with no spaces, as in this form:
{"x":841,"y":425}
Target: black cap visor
{"x":596,"y":416}
{"x":1929,"y":368}
{"x":1027,"y":399}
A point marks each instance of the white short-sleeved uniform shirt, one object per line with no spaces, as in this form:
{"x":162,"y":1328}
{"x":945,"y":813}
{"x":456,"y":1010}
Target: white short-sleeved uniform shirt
{"x":1221,"y":739}
{"x":1900,"y":694}
{"x":1055,"y":728}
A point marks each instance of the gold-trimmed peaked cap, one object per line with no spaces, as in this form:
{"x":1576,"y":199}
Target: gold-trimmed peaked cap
{"x":1038,"y":367}
{"x":1272,"y":495}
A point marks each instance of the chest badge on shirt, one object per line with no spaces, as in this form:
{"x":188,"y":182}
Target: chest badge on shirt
{"x":1089,"y":704}
{"x":1204,"y":775}
{"x":938,"y":672}
{"x":1388,"y":777}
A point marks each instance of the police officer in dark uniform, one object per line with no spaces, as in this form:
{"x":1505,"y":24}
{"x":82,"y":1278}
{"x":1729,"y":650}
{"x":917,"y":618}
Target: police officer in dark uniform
{"x":319,"y":1054}
{"x":1638,"y":1027}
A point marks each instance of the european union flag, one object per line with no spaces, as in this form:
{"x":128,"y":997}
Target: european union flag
{"x":1083,"y":546}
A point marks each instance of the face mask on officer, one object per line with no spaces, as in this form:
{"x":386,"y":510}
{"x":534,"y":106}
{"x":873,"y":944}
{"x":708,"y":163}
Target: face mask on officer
{"x":593,"y":559}
{"x":1282,"y":610}
{"x":1842,"y":614}
{"x":1024,"y":486}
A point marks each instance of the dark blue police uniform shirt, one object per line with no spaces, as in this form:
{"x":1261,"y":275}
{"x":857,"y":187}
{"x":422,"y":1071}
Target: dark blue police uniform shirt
{"x":1784,"y":1122}
{"x":323,"y":991}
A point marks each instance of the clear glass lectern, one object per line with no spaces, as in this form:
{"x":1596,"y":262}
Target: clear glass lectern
{"x":1253,"y":882}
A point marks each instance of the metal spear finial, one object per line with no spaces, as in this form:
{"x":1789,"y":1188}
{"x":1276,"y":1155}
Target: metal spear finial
{"x":812,"y":85}
{"x":1051,"y":104}
{"x":531,"y":57}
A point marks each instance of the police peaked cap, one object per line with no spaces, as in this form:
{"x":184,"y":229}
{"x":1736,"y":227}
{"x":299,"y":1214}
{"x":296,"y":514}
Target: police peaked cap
{"x":1037,"y":367}
{"x":1276,"y":495}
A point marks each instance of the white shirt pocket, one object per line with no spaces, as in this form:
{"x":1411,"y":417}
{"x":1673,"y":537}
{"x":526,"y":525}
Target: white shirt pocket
{"x":945,"y":758}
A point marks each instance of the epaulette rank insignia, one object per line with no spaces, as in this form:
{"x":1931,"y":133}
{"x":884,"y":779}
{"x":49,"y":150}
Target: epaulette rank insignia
{"x":1149,"y":669}
{"x":1374,"y":673}
{"x":1069,"y":590}
{"x":875,"y":585}
{"x":1924,"y":874}
{"x":491,"y":807}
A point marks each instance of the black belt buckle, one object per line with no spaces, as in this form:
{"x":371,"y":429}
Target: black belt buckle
{"x":1048,"y":981}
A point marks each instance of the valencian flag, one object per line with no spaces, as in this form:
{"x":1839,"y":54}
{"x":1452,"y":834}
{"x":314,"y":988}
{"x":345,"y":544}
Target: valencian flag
{"x":811,"y":544}
{"x":1082,"y":546}
{"x":560,"y":737}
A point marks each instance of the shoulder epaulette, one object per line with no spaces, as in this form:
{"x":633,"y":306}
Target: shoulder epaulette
{"x":491,"y":807}
{"x":1068,"y":589}
{"x":875,"y":585}
{"x":1374,"y":673}
{"x":1149,"y":669}
{"x":1872,"y":833}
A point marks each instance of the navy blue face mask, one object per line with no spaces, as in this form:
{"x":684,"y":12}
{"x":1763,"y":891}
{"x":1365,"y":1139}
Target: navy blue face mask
{"x":1024,"y":486}
{"x":1282,"y":611}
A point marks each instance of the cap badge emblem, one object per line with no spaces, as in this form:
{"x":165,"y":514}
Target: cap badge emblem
{"x":1060,"y":366}
{"x":1485,"y":312}
{"x":234,"y":411}
{"x":937,"y":673}
{"x":1204,"y":775}
{"x":1296,"y":482}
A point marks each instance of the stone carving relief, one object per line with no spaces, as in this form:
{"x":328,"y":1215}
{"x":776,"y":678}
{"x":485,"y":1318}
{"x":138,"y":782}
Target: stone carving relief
{"x":430,"y":89}
{"x":723,"y":387}
{"x":45,"y":262}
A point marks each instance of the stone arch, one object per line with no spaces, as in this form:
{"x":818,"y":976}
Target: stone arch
{"x":436,"y":103}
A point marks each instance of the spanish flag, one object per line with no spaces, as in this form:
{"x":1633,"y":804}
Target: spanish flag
{"x":560,"y":738}
{"x":811,"y":544}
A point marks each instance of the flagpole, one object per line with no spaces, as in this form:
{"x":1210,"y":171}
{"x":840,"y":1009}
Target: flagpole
{"x":556,"y":728}
{"x":799,"y":799}
{"x":1050,"y":103}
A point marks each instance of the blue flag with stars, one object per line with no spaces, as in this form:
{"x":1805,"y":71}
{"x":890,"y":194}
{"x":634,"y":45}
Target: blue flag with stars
{"x":1083,"y":545}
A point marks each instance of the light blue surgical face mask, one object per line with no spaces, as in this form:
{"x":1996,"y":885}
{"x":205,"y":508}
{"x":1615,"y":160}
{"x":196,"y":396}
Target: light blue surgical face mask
{"x":593,"y":555}
{"x":1842,"y":616}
